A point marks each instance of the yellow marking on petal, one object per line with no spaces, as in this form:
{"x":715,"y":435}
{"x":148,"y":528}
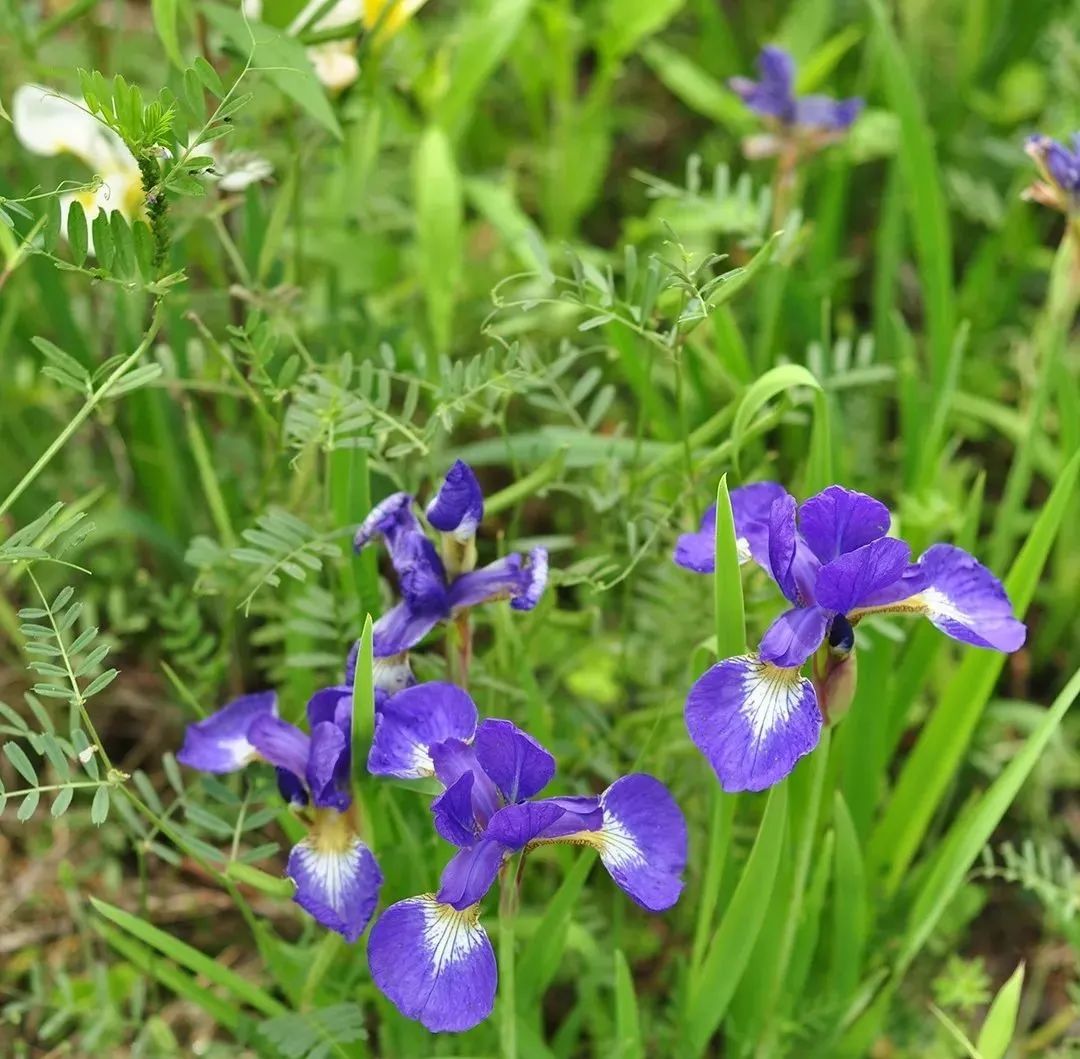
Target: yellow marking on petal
{"x":331,"y":832}
{"x":916,"y":604}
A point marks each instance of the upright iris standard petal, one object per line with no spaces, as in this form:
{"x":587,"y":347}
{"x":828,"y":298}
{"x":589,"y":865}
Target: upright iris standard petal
{"x":839,"y":520}
{"x":411,"y":722}
{"x":280,"y":743}
{"x":750,"y":508}
{"x":220,"y":742}
{"x":420,"y":571}
{"x":471,"y":873}
{"x":515,"y":762}
{"x":458,"y":506}
{"x":328,"y":767}
{"x":385,"y":518}
{"x":454,"y":759}
{"x":697,"y":551}
{"x":783,"y":541}
{"x":752,"y":721}
{"x":1063,"y":165}
{"x":772,"y":96}
{"x":401,"y":628}
{"x":855,"y":576}
{"x":643,"y":840}
{"x":337,"y":879}
{"x":507,"y":578}
{"x":435,"y":964}
{"x":534,"y":582}
{"x":454,"y":813}
{"x":421,"y":576}
{"x":794,"y":636}
{"x":967,"y":602}
{"x":332,"y":704}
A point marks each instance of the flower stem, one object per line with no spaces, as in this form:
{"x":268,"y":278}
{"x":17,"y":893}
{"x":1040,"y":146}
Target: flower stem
{"x":82,"y":414}
{"x":508,"y":905}
{"x":461,"y":658}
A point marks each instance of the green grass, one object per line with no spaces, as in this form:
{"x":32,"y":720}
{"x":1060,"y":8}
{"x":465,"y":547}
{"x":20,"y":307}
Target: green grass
{"x":527,"y":236}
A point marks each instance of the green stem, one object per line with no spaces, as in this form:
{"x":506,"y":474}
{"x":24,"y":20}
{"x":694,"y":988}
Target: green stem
{"x":83,"y":413}
{"x":508,"y":902}
{"x":523,"y":488}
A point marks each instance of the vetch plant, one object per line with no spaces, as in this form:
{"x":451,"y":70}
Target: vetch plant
{"x":48,"y":123}
{"x":753,"y":716}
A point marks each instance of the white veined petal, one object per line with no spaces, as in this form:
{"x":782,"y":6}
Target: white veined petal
{"x":771,"y":696}
{"x":332,"y":871}
{"x":617,"y":846}
{"x":449,"y":935}
{"x":940,"y":606}
{"x":238,"y":748}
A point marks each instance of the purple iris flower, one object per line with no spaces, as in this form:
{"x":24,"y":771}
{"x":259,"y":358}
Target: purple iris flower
{"x":429,"y":954}
{"x":773,"y":96}
{"x":434,"y":587}
{"x":1059,"y":165}
{"x":336,"y":876}
{"x":754,"y":716}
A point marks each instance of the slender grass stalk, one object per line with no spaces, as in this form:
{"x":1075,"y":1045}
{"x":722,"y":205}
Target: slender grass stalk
{"x":509,"y":896}
{"x":83,"y":413}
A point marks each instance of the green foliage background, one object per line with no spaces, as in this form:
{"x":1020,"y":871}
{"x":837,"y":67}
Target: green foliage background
{"x":527,"y":237}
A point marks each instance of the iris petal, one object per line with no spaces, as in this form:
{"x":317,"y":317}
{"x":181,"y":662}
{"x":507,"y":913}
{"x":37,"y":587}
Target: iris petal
{"x":839,"y":520}
{"x":643,"y":840}
{"x":435,"y":964}
{"x":967,"y":602}
{"x":854,"y":576}
{"x":220,"y":743}
{"x":752,"y":721}
{"x":794,"y":636}
{"x":280,"y":743}
{"x":337,"y":878}
{"x":470,"y":874}
{"x":515,"y":762}
{"x":402,"y":628}
{"x":411,"y":722}
{"x":458,"y":506}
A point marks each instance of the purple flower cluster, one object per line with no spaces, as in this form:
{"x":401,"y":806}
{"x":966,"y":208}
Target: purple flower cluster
{"x":433,"y":587}
{"x":1059,"y":167}
{"x":429,"y":954}
{"x":773,"y":97}
{"x":336,"y":877}
{"x":754,"y":716}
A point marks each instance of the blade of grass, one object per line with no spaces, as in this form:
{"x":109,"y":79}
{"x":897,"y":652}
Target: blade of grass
{"x":926,"y":198}
{"x":183,"y":985}
{"x":714,"y":985}
{"x":930,"y":767}
{"x":971,"y":831}
{"x":628,"y":1043}
{"x":1000,"y":1025}
{"x":730,"y":625}
{"x":190,"y":958}
{"x":773,"y":382}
